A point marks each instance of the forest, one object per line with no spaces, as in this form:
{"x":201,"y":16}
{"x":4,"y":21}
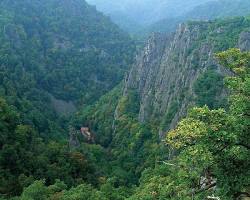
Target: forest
{"x":89,"y":111}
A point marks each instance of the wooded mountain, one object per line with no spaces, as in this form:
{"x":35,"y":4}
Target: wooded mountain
{"x":175,"y":126}
{"x":56,"y":55}
{"x":171,"y":75}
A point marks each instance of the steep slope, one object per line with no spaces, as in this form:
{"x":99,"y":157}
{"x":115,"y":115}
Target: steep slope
{"x":211,"y":160}
{"x":168,"y":79}
{"x":212,"y":155}
{"x":56,"y":55}
{"x":170,"y":75}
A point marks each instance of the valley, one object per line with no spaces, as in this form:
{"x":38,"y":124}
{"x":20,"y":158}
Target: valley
{"x":89,"y":111}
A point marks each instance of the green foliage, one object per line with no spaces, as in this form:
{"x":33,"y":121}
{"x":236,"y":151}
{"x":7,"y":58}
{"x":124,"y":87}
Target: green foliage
{"x":131,"y":146}
{"x":66,"y":50}
{"x":130,"y":104}
{"x":24,"y":156}
{"x":103,"y":111}
{"x":229,"y":32}
{"x":46,"y":51}
{"x":36,"y":191}
{"x":222,"y":34}
{"x":53,"y":52}
{"x":82,"y":192}
{"x":216,"y":140}
{"x":207,"y":88}
{"x":169,"y":115}
{"x":211,"y":147}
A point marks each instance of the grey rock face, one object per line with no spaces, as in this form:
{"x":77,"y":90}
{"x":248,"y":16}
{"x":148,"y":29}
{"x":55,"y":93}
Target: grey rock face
{"x":144,"y":73}
{"x":165,"y":73}
{"x":244,"y":41}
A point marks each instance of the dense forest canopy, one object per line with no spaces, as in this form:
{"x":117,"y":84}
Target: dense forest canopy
{"x":84,"y":118}
{"x":65,"y":38}
{"x":54,"y":57}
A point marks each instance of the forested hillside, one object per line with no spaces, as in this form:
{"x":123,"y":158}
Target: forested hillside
{"x":171,"y":75}
{"x":212,"y":160}
{"x":57,"y":55}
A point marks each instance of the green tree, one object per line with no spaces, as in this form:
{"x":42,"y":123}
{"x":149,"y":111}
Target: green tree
{"x":36,"y":191}
{"x":214,"y":144}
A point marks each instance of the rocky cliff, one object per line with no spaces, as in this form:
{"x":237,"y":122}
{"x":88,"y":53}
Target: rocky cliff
{"x":166,"y":73}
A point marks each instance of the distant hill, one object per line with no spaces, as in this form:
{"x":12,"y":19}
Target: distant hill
{"x":132,"y":15}
{"x":220,"y":8}
{"x":206,"y":11}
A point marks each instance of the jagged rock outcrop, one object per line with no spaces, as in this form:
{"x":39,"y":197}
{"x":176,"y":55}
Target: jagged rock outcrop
{"x":165,"y":73}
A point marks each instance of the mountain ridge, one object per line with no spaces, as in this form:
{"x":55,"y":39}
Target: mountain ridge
{"x":207,"y":11}
{"x":142,"y":12}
